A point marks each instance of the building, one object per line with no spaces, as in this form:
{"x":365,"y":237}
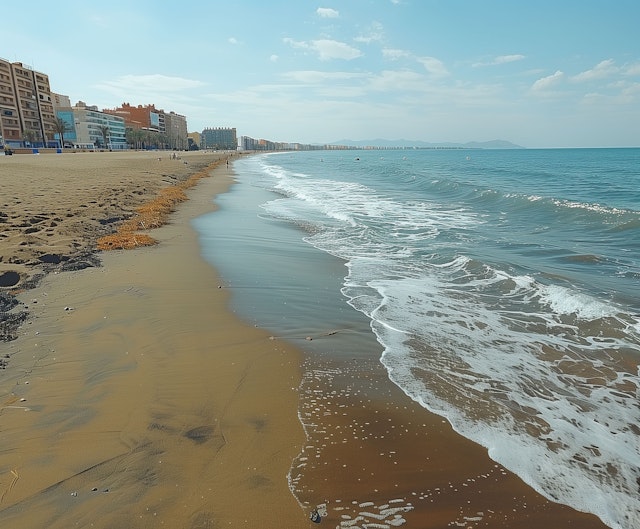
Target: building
{"x":10,"y":129}
{"x":26,"y":107}
{"x":154,"y":127}
{"x":140,"y":117}
{"x":175,"y":128}
{"x":89,"y":128}
{"x":194,"y":139}
{"x":219,"y":138}
{"x":60,"y":101}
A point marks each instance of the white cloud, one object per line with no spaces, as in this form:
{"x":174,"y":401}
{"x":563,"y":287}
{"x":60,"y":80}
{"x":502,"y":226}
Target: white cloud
{"x":317,"y":76}
{"x":503,"y":59}
{"x":632,"y":90}
{"x":394,"y":54}
{"x":632,"y":69}
{"x":500,"y":59}
{"x":547,"y":82}
{"x":274,"y":58}
{"x":599,"y":71}
{"x":327,"y":12}
{"x":374,"y":33}
{"x":152,"y":83}
{"x":434,"y":66}
{"x":296,"y":43}
{"x":232,"y":40}
{"x":625,"y":94}
{"x":332,"y":49}
{"x":327,"y":49}
{"x":397,"y":81}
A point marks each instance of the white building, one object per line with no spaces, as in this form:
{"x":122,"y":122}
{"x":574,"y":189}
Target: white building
{"x":87,"y":128}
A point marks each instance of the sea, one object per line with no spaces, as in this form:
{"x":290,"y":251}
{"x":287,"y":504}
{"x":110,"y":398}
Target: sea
{"x":500,"y":289}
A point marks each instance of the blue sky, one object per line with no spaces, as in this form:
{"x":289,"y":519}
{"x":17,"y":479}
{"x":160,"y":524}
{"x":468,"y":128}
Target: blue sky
{"x":560,"y":73}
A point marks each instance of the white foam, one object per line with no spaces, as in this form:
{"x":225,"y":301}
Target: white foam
{"x":562,"y":300}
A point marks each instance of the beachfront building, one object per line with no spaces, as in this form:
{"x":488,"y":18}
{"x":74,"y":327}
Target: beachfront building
{"x":194,"y":140}
{"x":152,"y":128}
{"x":248,"y":143}
{"x":139,"y":118}
{"x":88,"y":128}
{"x":26,"y":108}
{"x":175,"y":126}
{"x":219,"y":138}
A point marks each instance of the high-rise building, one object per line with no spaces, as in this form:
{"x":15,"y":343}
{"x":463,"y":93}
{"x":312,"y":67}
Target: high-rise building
{"x":219,"y":138}
{"x":10,"y":129}
{"x":26,"y":107}
{"x":175,"y":127}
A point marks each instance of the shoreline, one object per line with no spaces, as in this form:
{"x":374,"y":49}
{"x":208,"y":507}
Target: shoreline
{"x":135,"y":398}
{"x":371,"y":454}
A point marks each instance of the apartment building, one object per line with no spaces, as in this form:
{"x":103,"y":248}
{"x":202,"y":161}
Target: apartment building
{"x":89,"y":128}
{"x":219,"y":138}
{"x":26,"y":108}
{"x":168,"y":129}
{"x":175,"y":126}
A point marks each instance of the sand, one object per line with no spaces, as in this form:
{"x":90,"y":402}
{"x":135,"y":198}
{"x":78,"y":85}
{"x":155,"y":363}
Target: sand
{"x":133,"y":398}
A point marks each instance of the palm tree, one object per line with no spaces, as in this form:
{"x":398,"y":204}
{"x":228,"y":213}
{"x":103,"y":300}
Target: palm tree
{"x":60,"y":126}
{"x":104,"y":130}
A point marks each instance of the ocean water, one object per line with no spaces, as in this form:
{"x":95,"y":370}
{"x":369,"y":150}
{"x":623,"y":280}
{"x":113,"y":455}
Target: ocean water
{"x":501,"y":287}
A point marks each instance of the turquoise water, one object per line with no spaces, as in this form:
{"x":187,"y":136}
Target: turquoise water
{"x":500,"y":289}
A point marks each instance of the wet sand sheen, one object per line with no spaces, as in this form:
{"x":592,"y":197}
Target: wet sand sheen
{"x":136,"y":400}
{"x":376,"y":457}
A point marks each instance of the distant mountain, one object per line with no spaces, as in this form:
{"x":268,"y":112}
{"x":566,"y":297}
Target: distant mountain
{"x":391,"y":144}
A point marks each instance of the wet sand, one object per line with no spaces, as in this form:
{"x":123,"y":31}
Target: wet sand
{"x":134,"y":398}
{"x":373,"y":456}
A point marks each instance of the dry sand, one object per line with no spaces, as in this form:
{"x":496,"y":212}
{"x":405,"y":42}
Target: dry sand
{"x":132,"y":397}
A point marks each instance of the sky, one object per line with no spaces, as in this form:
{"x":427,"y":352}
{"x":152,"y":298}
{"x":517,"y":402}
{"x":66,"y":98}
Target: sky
{"x":541,"y":74}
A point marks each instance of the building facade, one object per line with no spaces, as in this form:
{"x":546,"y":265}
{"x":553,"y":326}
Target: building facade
{"x":194,"y":140}
{"x":152,"y":127}
{"x":89,"y":128}
{"x":27,"y":118}
{"x":175,"y":126}
{"x":138,"y":117}
{"x":219,"y":138}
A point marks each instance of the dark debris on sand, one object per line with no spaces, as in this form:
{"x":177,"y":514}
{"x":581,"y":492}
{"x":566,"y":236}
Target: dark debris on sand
{"x":11,"y":315}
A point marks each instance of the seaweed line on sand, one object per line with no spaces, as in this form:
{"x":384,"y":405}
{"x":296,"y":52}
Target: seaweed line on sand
{"x":149,"y":215}
{"x":152,"y":214}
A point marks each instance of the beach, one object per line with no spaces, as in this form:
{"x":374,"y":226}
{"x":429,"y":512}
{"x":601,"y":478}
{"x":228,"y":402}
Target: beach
{"x":133,"y":397}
